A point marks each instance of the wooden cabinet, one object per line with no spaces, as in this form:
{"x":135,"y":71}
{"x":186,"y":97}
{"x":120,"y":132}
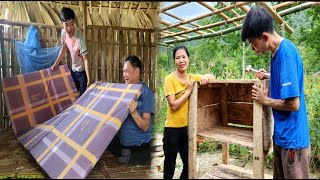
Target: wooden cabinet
{"x":224,"y":111}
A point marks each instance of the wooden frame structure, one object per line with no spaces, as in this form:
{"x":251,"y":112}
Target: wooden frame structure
{"x":224,"y":111}
{"x":231,"y":15}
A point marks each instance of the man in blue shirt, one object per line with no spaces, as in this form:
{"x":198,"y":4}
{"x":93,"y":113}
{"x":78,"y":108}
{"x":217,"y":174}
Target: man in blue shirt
{"x":291,"y":139}
{"x":132,"y":143}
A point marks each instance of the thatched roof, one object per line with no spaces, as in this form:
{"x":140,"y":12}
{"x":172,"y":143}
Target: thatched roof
{"x":143,"y":15}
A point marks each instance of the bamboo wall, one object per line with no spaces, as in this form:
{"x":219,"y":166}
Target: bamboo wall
{"x":107,"y":46}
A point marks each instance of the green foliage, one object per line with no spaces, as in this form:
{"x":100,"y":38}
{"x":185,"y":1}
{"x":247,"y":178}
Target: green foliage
{"x":209,"y":146}
{"x":310,"y":39}
{"x":312,"y":93}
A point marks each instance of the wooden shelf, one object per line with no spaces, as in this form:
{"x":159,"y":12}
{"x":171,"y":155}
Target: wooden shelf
{"x":230,"y":134}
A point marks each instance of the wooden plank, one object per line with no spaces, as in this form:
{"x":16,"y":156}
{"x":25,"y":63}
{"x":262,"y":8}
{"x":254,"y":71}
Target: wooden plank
{"x":233,"y":135}
{"x":225,"y":153}
{"x":239,"y":172}
{"x":240,"y":113}
{"x":96,"y":54}
{"x":240,"y":92}
{"x":153,"y":60}
{"x":258,"y":156}
{"x":192,"y":133}
{"x":116,"y":57}
{"x":121,"y":55}
{"x":103,"y":55}
{"x":92,"y":54}
{"x":146,"y":58}
{"x":12,"y":53}
{"x":130,"y":50}
{"x":224,"y":104}
{"x":209,"y":117}
{"x":109,"y":55}
{"x":268,"y":125}
{"x":208,"y":96}
{"x":2,"y":72}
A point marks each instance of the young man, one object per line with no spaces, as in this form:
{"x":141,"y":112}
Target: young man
{"x":291,"y":139}
{"x":131,"y":144}
{"x":72,"y":39}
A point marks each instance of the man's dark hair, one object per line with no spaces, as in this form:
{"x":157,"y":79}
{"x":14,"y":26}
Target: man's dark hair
{"x":177,"y":48}
{"x":257,"y":21}
{"x":134,"y":61}
{"x":66,"y":14}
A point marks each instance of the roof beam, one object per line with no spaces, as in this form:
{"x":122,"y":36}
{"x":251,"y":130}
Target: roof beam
{"x":208,"y":26}
{"x":181,"y":27}
{"x":207,"y":15}
{"x":214,"y":9}
{"x":219,"y":33}
{"x":173,"y":6}
{"x":299,"y":7}
{"x":232,"y":10}
{"x":276,"y":16}
{"x":285,"y":4}
{"x":180,"y":19}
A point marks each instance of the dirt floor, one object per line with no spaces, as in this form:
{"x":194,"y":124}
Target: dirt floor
{"x":210,"y":164}
{"x":15,"y":162}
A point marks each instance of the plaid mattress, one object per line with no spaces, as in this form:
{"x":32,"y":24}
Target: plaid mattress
{"x":34,"y":98}
{"x":71,"y":143}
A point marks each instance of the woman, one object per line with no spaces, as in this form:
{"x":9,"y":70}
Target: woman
{"x":178,"y":87}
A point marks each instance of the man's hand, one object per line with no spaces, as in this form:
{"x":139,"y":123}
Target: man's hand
{"x":88,"y":83}
{"x":260,"y":74}
{"x":52,"y":67}
{"x":260,"y":95}
{"x":132,"y":105}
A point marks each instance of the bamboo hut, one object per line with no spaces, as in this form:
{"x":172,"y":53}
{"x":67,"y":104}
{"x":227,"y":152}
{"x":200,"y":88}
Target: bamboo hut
{"x":113,"y":30}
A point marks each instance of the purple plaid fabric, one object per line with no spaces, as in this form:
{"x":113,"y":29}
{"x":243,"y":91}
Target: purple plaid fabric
{"x":34,"y":98}
{"x":71,"y":143}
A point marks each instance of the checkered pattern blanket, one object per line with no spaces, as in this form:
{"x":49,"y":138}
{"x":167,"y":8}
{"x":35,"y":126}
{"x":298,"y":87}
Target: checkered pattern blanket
{"x":34,"y":98}
{"x":71,"y":143}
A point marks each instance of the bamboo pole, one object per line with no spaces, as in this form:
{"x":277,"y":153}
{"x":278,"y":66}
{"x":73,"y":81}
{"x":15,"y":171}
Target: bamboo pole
{"x":299,"y":7}
{"x":84,"y":5}
{"x":180,"y":19}
{"x":237,"y":4}
{"x":219,"y":33}
{"x":214,"y":9}
{"x":285,"y":4}
{"x":244,"y":8}
{"x":173,"y":6}
{"x":207,"y":26}
{"x":277,"y":17}
{"x":232,"y":10}
{"x":181,"y":27}
{"x":19,"y":23}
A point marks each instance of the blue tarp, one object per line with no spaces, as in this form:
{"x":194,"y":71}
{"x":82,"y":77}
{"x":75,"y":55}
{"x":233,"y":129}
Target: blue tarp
{"x":31,"y":56}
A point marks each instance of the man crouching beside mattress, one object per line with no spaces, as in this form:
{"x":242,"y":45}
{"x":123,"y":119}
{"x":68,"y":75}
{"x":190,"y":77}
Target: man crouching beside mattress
{"x":132,"y":142}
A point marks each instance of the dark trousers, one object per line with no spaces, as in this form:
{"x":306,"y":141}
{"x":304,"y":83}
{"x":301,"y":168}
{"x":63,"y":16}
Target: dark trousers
{"x":175,"y":140}
{"x":291,"y":163}
{"x":139,"y":154}
{"x":80,"y":79}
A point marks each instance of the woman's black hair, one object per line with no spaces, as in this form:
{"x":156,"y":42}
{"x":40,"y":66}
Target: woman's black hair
{"x":177,"y":48}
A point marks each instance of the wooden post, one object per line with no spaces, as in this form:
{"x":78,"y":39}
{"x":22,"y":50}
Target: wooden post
{"x":192,"y":132}
{"x":224,"y":116}
{"x":84,"y":4}
{"x":258,"y":156}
